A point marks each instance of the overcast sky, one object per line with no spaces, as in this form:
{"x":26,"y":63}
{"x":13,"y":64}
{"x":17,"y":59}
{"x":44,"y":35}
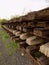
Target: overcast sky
{"x":10,"y":8}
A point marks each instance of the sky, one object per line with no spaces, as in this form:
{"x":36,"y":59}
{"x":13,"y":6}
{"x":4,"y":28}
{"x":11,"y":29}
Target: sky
{"x":9,"y":8}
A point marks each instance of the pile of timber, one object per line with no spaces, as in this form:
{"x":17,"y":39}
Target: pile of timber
{"x":31,"y":31}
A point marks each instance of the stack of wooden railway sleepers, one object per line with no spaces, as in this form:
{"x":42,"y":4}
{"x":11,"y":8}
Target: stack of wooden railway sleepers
{"x":31,"y":31}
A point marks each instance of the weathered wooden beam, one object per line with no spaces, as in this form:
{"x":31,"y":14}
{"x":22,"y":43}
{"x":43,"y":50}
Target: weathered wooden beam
{"x":41,"y":32}
{"x":34,"y":40}
{"x":45,"y":49}
{"x":43,"y":14}
{"x":43,"y":60}
{"x":42,"y":24}
{"x":24,"y":36}
{"x":18,"y":33}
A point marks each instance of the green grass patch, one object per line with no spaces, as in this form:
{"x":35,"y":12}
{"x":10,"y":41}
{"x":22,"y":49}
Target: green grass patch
{"x":1,"y":53}
{"x":0,"y":26}
{"x":10,"y":46}
{"x":38,"y":54}
{"x":5,"y":36}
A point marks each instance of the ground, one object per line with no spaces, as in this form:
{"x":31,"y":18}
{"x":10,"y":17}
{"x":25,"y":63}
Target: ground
{"x":9,"y":52}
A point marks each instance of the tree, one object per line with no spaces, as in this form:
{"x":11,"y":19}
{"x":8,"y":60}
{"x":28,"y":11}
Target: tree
{"x":16,"y":16}
{"x":2,"y":20}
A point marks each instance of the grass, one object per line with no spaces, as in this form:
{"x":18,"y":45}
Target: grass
{"x":5,"y":36}
{"x":38,"y":54}
{"x":10,"y":46}
{"x":0,"y":53}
